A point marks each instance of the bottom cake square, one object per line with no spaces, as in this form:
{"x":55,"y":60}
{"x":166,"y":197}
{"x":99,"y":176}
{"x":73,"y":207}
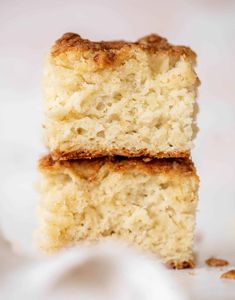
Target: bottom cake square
{"x":148,"y":204}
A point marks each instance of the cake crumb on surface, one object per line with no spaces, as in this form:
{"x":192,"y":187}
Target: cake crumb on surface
{"x":228,"y":275}
{"x":216,"y":262}
{"x":191,"y":273}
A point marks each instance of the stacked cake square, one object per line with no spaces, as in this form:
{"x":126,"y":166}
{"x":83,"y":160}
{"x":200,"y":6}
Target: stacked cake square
{"x":119,"y":123}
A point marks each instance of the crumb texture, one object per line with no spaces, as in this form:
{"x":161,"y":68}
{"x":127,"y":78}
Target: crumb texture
{"x":150,"y":205}
{"x":117,"y":97}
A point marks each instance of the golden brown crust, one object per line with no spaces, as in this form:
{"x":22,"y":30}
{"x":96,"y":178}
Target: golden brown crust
{"x":46,"y":162}
{"x":105,"y":53}
{"x":121,"y":164}
{"x":228,"y":275}
{"x":216,"y":262}
{"x":88,"y":154}
{"x":189,"y":264}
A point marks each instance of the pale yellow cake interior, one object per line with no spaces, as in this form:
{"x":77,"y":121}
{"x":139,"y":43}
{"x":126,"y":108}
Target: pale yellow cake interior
{"x":145,"y":103}
{"x":154,"y":211}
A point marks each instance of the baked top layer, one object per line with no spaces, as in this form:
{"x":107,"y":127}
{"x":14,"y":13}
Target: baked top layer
{"x":88,"y":154}
{"x":122,"y":164}
{"x":108,"y":51}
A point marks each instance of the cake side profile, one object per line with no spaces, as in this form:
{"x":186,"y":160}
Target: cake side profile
{"x":150,"y":205}
{"x":119,"y":98}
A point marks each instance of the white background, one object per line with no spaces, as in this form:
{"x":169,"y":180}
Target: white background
{"x":27,"y":30}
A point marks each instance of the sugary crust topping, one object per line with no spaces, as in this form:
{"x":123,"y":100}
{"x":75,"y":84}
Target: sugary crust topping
{"x":121,"y":164}
{"x":59,"y":155}
{"x":107,"y":52}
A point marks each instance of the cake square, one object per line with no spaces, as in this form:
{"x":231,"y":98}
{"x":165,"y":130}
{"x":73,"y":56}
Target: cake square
{"x":119,"y":98}
{"x":148,"y":204}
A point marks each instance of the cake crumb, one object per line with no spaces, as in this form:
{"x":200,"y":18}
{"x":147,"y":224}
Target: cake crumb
{"x":216,"y":262}
{"x":228,"y":275}
{"x":191,"y":273}
{"x":147,"y":159}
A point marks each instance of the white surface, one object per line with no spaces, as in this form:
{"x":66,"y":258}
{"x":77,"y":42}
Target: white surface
{"x":104,"y":271}
{"x":27,"y":31}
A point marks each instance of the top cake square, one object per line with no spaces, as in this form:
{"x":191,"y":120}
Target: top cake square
{"x":119,"y":98}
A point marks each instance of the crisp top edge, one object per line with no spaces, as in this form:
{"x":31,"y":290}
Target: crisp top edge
{"x":152,"y":166}
{"x":150,"y":43}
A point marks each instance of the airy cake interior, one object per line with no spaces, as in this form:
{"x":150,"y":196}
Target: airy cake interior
{"x":146,"y":103}
{"x":143,"y":204}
